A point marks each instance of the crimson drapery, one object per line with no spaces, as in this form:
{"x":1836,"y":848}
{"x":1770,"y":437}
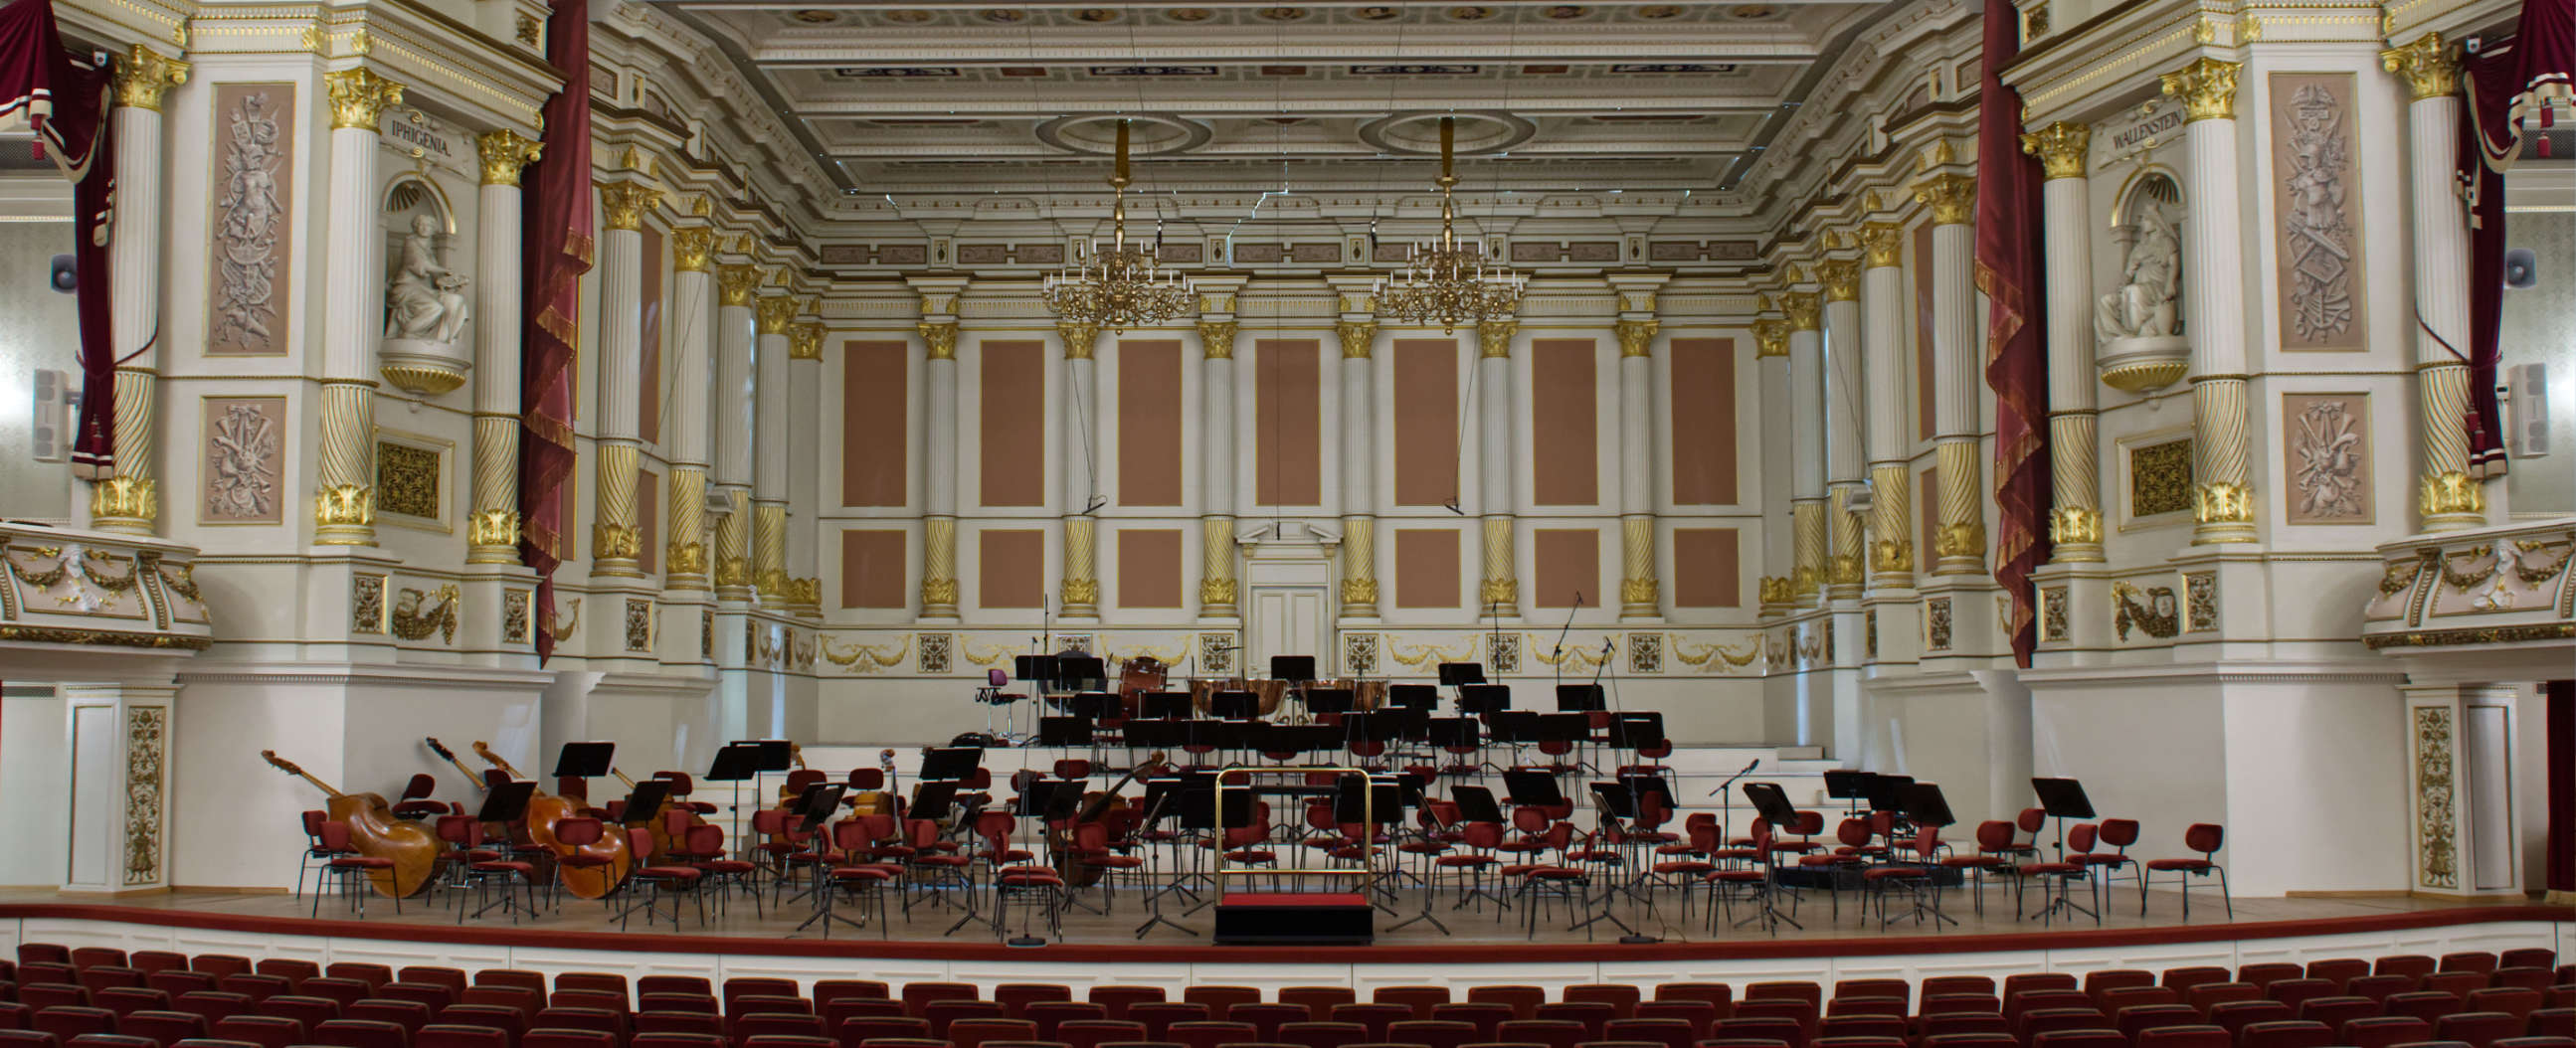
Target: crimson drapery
{"x":2509,"y":86}
{"x":557,"y":245}
{"x":2561,"y":697}
{"x":65,"y":104}
{"x":2008,"y":271}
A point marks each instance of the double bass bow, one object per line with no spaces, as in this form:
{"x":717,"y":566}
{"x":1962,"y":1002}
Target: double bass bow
{"x":1060,"y":846}
{"x":546,"y":809}
{"x":377,"y":834}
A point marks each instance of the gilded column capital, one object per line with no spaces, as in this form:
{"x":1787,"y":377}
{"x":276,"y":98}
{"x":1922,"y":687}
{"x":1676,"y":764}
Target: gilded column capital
{"x":504,"y":152}
{"x":1494,"y":336}
{"x":2060,"y":148}
{"x":144,"y":75}
{"x":1770,"y":337}
{"x":1358,"y":338}
{"x":777,"y":313}
{"x":2207,"y":88}
{"x":1952,"y":198}
{"x":1216,"y":339}
{"x":2426,"y":64}
{"x":805,"y":341}
{"x":692,"y":248}
{"x":1079,"y":338}
{"x":1636,"y":335}
{"x":735,"y":285}
{"x":1841,"y":277}
{"x":1885,"y":242}
{"x":1804,"y":310}
{"x":359,"y":97}
{"x":622,"y":204}
{"x":940,"y":337}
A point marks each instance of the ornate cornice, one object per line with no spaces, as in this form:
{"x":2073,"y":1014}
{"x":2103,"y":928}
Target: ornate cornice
{"x":1952,"y":198}
{"x":692,"y":248}
{"x":1885,"y":242}
{"x":2060,"y":148}
{"x":735,"y":285}
{"x":2425,"y":65}
{"x":359,"y":97}
{"x":504,"y":152}
{"x":144,"y":75}
{"x":622,"y":204}
{"x":2207,"y":88}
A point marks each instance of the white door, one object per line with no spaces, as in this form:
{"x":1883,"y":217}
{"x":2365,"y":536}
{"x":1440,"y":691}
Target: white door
{"x":1287,"y":620}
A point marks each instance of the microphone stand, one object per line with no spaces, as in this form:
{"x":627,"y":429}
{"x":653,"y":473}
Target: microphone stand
{"x":1557,"y":657}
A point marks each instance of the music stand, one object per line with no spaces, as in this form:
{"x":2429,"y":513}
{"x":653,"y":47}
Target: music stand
{"x":1321,"y":701}
{"x":1295,"y":669}
{"x":1476,"y":804}
{"x":1484,"y":698}
{"x":1412,"y":696}
{"x":1844,"y":784}
{"x":505,"y":803}
{"x":1036,"y":669}
{"x":950,"y":763}
{"x":646,"y":801}
{"x":734,"y":762}
{"x":931,"y":800}
{"x":1453,"y":674}
{"x":1580,"y":698}
{"x":1772,"y":804}
{"x":1064,"y":732}
{"x":1037,"y":798}
{"x":2063,"y":799}
{"x":1636,"y":731}
{"x":1094,"y":705}
{"x":1925,"y":806}
{"x":1081,"y":673}
{"x":1887,"y":792}
{"x":1533,"y":789}
{"x":1234,"y":705}
{"x":1167,"y":705}
{"x":1922,"y":805}
{"x":584,"y":760}
{"x":1452,"y":732}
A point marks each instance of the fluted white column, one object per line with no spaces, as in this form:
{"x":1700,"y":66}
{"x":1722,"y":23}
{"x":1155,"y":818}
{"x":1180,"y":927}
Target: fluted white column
{"x":1807,"y":413}
{"x":2447,"y":496}
{"x":804,"y":464}
{"x":769,"y":419}
{"x":1080,"y":587}
{"x":2075,"y":521}
{"x":1499,"y":595}
{"x":938,"y":330}
{"x":1957,"y":374}
{"x":344,"y":509}
{"x":737,"y":385}
{"x":1357,"y":333}
{"x":1778,"y":448}
{"x":492,"y":531}
{"x":2213,"y":277}
{"x":130,"y":500}
{"x":1845,"y":472}
{"x":690,"y":367}
{"x":1884,"y":309}
{"x":616,"y":543}
{"x":1640,"y":591}
{"x":1217,"y":424}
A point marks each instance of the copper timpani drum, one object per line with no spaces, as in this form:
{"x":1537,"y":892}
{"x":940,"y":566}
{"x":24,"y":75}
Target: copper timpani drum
{"x":1269,"y":691}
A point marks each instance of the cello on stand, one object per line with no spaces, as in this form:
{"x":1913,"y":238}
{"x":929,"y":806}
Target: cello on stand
{"x":544,"y":811}
{"x":377,"y":834}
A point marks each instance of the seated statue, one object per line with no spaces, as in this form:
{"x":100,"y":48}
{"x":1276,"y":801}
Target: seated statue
{"x":2142,"y":305}
{"x":425,"y":300}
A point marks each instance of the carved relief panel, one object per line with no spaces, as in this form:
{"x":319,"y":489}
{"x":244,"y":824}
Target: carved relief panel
{"x":2316,"y":212}
{"x":254,"y":208}
{"x":244,"y":461}
{"x":2327,"y":457}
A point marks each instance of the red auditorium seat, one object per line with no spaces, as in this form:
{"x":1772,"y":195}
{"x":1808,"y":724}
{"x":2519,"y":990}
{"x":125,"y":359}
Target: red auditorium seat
{"x":1015,"y":998}
{"x":268,"y":1031}
{"x":1963,"y":1024}
{"x":2383,"y":1031}
{"x":2139,"y":1018}
{"x":2338,"y":970}
{"x":1554,"y":1033}
{"x":1796,"y":991}
{"x":441,"y":1035}
{"x":1621,"y":997}
{"x":1955,"y":1040}
{"x":857,"y":1031}
{"x":2183,"y":979}
{"x":2416,"y":965}
{"x":410,"y":1015}
{"x":28,"y":1039}
{"x":361,"y":1033}
{"x":1701,"y":1015}
{"x":973,"y":1033}
{"x":2427,"y":1005}
{"x":2552,"y":1022}
{"x":1375,"y":1018}
{"x":589,"y":1039}
{"x":1114,"y":997}
{"x":1718,"y":996}
{"x":163,"y":1027}
{"x":696,"y":985}
{"x":2286,"y":1033}
{"x":2335,"y":1011}
{"x":2185,"y":1037}
{"x":1486,"y":1016}
{"x":93,"y":956}
{"x":2476,"y":1029}
{"x":2084,"y":1038}
{"x":1424,"y":998}
{"x":1092,"y":1033}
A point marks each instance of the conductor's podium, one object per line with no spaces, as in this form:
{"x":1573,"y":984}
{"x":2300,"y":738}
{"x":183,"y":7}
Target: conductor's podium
{"x":1295,"y":918}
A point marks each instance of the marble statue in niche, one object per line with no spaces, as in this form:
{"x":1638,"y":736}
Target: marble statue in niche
{"x":424,"y":299}
{"x":2142,"y":305}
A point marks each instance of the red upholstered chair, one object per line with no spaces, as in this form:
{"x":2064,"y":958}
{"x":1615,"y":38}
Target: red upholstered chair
{"x":1762,"y":1027}
{"x":1718,"y":996}
{"x":1318,"y":1000}
{"x":361,"y":1033}
{"x":2085,"y":1038}
{"x":109,"y":976}
{"x":974,"y":1033}
{"x":2413,"y":964}
{"x":857,"y":1031}
{"x":1118,"y":998}
{"x":2140,"y":1018}
{"x":1553,"y":1033}
{"x":1964,"y":1024}
{"x":410,"y":1015}
{"x":597,"y":1000}
{"x":2382,"y":1031}
{"x":2551,"y":1022}
{"x":573,"y":1039}
{"x":1791,"y":990}
{"x":688,"y":984}
{"x":1863,"y":1026}
{"x":2034,"y":1023}
{"x":163,"y":1027}
{"x":1267,"y":1017}
{"x":1487,"y":1017}
{"x":2511,"y":1000}
{"x":666,"y":880}
{"x":214,"y":1005}
{"x":2287,"y":1033}
{"x":2457,"y":984}
{"x":2379,"y":987}
{"x":2101,"y":983}
{"x":514,"y":995}
{"x":2466,"y":961}
{"x":1958,"y":984}
{"x":1015,"y":998}
{"x":176,"y":981}
{"x":267,"y":1031}
{"x":1316,"y":1035}
{"x":1951,"y":1003}
{"x":126,"y":1000}
{"x":1621,"y":997}
{"x":1091,"y":1033}
{"x":1957,"y":1040}
{"x":2186,"y":1037}
{"x":943,"y":1014}
{"x":2235,"y":1016}
{"x":2297,"y":991}
{"x":679,"y":1002}
{"x":1663,"y":1033}
{"x":2428,"y":1005}
{"x":2336,"y":1011}
{"x":2018,"y":1003}
{"x":435,"y":995}
{"x":2525,"y":976}
{"x":2338,"y":970}
{"x":1701,"y":1015}
{"x":2266,"y":973}
{"x":2476,"y":1029}
{"x":442,"y":1035}
{"x":2111,"y":1001}
{"x":2207,"y":996}
{"x":1051,"y":1014}
{"x":1374,"y":1018}
{"x":1159,"y":1016}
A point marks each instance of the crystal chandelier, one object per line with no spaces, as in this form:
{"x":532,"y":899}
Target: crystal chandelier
{"x":1447,"y":283}
{"x":1122,"y":287}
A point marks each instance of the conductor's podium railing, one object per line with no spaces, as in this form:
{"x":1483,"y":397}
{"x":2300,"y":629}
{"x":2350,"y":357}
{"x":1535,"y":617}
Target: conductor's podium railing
{"x":1244,"y":781}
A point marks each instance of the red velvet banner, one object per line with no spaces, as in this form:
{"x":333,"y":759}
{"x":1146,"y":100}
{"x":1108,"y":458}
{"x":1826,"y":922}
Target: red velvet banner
{"x":557,"y":242}
{"x":65,"y":104}
{"x":2008,"y":271}
{"x":2509,"y":85}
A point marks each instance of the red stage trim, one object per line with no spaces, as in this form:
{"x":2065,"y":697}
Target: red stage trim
{"x":1293,"y":899}
{"x":1463,"y":953}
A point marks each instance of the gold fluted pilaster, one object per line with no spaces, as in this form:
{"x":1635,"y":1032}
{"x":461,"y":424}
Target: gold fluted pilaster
{"x":504,"y":153}
{"x":2425,"y":65}
{"x":1640,"y":593}
{"x":1807,"y":533}
{"x":2222,"y":469}
{"x":1952,"y":198}
{"x":1771,"y":338}
{"x":693,"y":249}
{"x":1841,"y":277}
{"x":1636,"y":335}
{"x":2207,"y":88}
{"x":769,"y":553}
{"x":1216,"y":567}
{"x":144,"y":76}
{"x":1081,"y":570}
{"x":492,"y":533}
{"x":733,"y":547}
{"x":1216,"y":339}
{"x":2075,"y":521}
{"x":344,"y":509}
{"x":939,"y":566}
{"x":359,"y":97}
{"x":1080,"y":339}
{"x":2448,"y":497}
{"x":130,"y":501}
{"x":615,"y":543}
{"x":2060,"y":147}
{"x":1891,"y":546}
{"x":1358,"y":338}
{"x":1500,"y":591}
{"x":1494,"y":336}
{"x":684,"y":563}
{"x":737,"y":285}
{"x":1846,"y":566}
{"x":1359,"y":566}
{"x":1960,"y":543}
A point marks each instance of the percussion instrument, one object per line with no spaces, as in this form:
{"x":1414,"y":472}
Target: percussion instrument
{"x":1138,"y":676}
{"x":377,"y":834}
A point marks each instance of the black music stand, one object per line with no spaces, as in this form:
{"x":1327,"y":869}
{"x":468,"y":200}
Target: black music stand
{"x":949,"y":763}
{"x":505,"y":803}
{"x":1614,"y":803}
{"x":1037,"y":670}
{"x":1081,"y":673}
{"x":1324,"y":701}
{"x":1162,"y":798}
{"x":1234,"y":705}
{"x":1636,"y":731}
{"x":1167,"y":705}
{"x":1064,"y":732}
{"x":642,"y":803}
{"x":1412,"y":696}
{"x":1453,"y":674}
{"x":584,"y":760}
{"x":1533,"y":789}
{"x":1922,"y":804}
{"x":1772,"y":804}
{"x":1887,"y":792}
{"x":2063,"y":799}
{"x":734,"y":762}
{"x":1295,"y":669}
{"x":931,"y":800}
{"x":1484,"y":698}
{"x":1845,"y":784}
{"x":1580,"y":698}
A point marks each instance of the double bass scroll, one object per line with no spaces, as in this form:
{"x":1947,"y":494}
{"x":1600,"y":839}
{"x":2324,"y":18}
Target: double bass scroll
{"x":377,"y":834}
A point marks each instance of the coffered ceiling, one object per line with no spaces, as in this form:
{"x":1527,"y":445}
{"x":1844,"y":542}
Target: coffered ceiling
{"x":925,"y":98}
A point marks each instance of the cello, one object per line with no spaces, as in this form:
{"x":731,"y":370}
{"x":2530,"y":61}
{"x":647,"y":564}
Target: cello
{"x":375,"y":832}
{"x":546,"y":809}
{"x":657,"y":827}
{"x":1060,"y":849}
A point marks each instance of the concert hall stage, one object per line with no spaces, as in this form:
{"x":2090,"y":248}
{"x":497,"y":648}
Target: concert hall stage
{"x":1105,"y":950}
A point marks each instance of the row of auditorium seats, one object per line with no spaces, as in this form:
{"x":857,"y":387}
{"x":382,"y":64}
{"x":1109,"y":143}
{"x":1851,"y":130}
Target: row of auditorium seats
{"x":92,"y":997}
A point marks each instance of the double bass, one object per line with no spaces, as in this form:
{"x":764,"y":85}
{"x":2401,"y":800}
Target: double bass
{"x":1060,"y":849}
{"x":546,"y":809}
{"x":658,"y":826}
{"x":375,"y":832}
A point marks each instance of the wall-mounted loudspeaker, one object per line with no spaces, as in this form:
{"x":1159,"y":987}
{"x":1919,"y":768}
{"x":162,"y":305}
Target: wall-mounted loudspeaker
{"x":2526,"y":398}
{"x":66,"y":274}
{"x":2521,"y":269}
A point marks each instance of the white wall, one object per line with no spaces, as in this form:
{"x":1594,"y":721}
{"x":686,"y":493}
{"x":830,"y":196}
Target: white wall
{"x":34,"y":775}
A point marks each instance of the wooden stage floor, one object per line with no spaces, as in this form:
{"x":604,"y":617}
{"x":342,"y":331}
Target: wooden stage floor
{"x":583,"y":924}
